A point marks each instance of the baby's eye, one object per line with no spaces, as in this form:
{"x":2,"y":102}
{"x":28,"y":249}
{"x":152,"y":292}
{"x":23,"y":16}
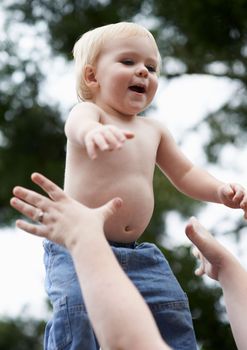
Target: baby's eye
{"x":151,"y":68}
{"x":127,"y":62}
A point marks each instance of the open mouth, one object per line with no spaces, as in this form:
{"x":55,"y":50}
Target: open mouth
{"x":139,"y":89}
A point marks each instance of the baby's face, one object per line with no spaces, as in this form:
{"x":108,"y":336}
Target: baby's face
{"x":126,"y":73}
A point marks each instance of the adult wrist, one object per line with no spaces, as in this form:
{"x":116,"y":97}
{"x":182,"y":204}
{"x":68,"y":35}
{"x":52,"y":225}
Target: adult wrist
{"x":228,"y":269}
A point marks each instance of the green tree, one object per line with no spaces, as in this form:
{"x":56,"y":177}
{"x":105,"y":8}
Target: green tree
{"x":31,"y":132}
{"x":21,"y":334}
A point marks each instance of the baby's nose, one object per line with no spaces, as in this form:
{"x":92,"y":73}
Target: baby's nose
{"x":142,"y":71}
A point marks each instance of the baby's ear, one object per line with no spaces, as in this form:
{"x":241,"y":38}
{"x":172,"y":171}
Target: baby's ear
{"x":90,"y":76}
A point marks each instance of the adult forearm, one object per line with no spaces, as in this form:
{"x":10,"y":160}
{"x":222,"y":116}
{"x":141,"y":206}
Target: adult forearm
{"x":233,"y":280}
{"x":120,"y":317}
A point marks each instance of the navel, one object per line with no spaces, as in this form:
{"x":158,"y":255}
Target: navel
{"x":127,"y":228}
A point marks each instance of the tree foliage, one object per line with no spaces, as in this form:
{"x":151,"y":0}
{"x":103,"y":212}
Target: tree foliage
{"x":21,"y":334}
{"x":31,"y":132}
{"x":199,"y":37}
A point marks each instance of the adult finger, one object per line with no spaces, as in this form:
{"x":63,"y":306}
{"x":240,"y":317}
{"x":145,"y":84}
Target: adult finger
{"x":195,"y":252}
{"x":197,"y":233}
{"x":53,"y":191}
{"x":30,"y":197}
{"x":201,"y":264}
{"x":200,"y":270}
{"x":26,"y":209}
{"x":34,"y":229}
{"x":191,"y":230}
{"x":110,"y":208}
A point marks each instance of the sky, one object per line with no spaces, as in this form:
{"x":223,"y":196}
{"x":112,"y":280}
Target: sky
{"x":181,"y":103}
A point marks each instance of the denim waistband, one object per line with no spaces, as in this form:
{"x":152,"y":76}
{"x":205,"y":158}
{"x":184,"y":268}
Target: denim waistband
{"x":130,"y":245}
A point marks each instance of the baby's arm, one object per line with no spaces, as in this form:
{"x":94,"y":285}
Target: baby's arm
{"x":120,"y":317}
{"x":193,"y":180}
{"x":218,"y":263}
{"x":186,"y":177}
{"x":83,"y":128}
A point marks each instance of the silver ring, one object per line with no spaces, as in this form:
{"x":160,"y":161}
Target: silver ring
{"x":40,"y":216}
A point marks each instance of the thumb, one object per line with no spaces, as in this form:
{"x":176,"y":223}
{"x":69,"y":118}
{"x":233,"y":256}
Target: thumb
{"x":190,"y":229}
{"x":111,"y":207}
{"x":196,"y":233}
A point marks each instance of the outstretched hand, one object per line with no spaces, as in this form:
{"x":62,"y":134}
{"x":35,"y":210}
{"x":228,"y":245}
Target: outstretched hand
{"x":105,"y":138}
{"x":58,"y":216}
{"x":234,"y":196}
{"x":211,"y":254}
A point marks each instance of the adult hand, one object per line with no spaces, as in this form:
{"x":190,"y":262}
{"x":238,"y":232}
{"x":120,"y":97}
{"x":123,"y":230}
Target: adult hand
{"x":58,"y":217}
{"x":208,"y":250}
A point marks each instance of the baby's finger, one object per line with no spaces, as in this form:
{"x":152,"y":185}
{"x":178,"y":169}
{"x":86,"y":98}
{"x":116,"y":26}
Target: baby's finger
{"x":228,"y":191}
{"x":244,"y":207}
{"x":100,"y":141}
{"x":119,"y":134}
{"x":91,"y":148}
{"x":243,"y":203}
{"x":122,"y":134}
{"x":112,"y":139}
{"x":239,"y":195}
{"x":128,"y":134}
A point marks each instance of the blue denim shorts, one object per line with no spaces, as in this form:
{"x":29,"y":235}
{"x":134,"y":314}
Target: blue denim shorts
{"x":146,"y":266}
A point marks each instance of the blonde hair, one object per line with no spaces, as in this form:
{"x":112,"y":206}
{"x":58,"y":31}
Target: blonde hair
{"x":87,"y":49}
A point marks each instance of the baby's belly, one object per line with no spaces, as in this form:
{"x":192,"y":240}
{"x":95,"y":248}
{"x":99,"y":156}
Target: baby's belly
{"x":130,"y":221}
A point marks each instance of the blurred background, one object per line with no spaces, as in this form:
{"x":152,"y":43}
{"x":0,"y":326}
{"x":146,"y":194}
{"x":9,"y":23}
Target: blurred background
{"x":201,"y":98}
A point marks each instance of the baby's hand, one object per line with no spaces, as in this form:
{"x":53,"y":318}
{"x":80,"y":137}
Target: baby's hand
{"x":234,"y":196}
{"x":105,"y":138}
